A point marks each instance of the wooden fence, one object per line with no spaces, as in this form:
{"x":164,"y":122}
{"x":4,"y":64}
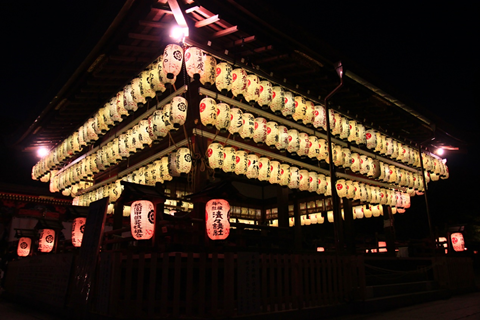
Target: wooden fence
{"x":172,"y":285}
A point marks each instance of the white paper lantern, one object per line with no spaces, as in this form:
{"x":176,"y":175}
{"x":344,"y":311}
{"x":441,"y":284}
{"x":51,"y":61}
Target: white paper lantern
{"x":253,"y":89}
{"x":293,"y":141}
{"x":282,"y":143}
{"x":284,"y":174}
{"x":183,"y":160}
{"x":341,"y":188}
{"x":78,"y":228}
{"x":289,"y":105}
{"x":323,"y":154}
{"x":322,"y":184}
{"x":458,"y":242}
{"x":239,"y":82}
{"x":278,"y":99}
{"x":165,"y":169}
{"x":155,"y":70}
{"x":236,"y":121}
{"x":371,"y":137}
{"x":337,"y":155}
{"x":248,"y":126}
{"x":312,"y":181}
{"x":209,"y":74}
{"x":46,"y":240}
{"x":265,"y":94}
{"x":179,"y":108}
{"x":358,"y":212}
{"x":172,"y":60}
{"x":241,"y":162}
{"x":222,"y":121}
{"x":217,"y":219}
{"x":260,"y":131}
{"x":208,"y":111}
{"x":361,"y":135}
{"x":304,"y":178}
{"x":142,"y":219}
{"x":252,"y":166}
{"x":229,"y":159}
{"x":223,"y":79}
{"x":263,"y":169}
{"x":275,"y":172}
{"x":294,"y":181}
{"x":353,"y":131}
{"x":215,"y":155}
{"x":345,"y":128}
{"x":24,"y":246}
{"x":271,"y":137}
{"x":194,"y":62}
{"x":300,"y":108}
{"x":313,"y":147}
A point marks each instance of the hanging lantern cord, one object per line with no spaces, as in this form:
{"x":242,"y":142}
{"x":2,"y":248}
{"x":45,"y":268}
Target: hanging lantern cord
{"x":172,"y":141}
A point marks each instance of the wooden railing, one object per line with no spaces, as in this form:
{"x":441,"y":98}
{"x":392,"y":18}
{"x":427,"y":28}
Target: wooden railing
{"x":222,"y":285}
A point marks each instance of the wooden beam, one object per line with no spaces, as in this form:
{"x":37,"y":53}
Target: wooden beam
{"x":225,"y":32}
{"x":207,"y":21}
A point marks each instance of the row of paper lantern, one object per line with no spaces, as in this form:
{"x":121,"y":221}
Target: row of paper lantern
{"x":145,"y":86}
{"x":136,"y":138}
{"x":160,"y":171}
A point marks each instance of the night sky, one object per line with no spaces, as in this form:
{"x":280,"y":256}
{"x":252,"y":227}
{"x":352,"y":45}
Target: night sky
{"x":428,"y":52}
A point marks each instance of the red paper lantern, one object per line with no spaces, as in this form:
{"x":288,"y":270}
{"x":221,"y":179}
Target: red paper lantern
{"x":78,"y":227}
{"x":46,"y":240}
{"x":142,"y":219}
{"x":217,"y":219}
{"x":458,"y":243}
{"x":24,"y":246}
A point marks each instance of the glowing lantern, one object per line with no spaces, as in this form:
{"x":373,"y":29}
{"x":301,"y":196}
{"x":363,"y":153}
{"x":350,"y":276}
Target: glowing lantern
{"x":341,"y":188}
{"x":282,"y":142}
{"x":215,"y":155}
{"x":350,"y":189}
{"x":142,"y":219}
{"x":323,"y":154}
{"x":208,"y":112}
{"x":358,"y":212}
{"x":137,"y":93}
{"x":347,"y":157}
{"x":217,"y":219}
{"x":304,"y":180}
{"x":223,"y":79}
{"x":275,"y":172}
{"x":253,"y":89}
{"x":361,"y":135}
{"x":252,"y":166}
{"x":304,"y":144}
{"x":345,"y":127}
{"x":284,"y":174}
{"x":371,"y":138}
{"x":264,"y":169}
{"x":458,"y":242}
{"x":178,"y":111}
{"x":239,"y":82}
{"x":209,"y":73}
{"x":78,"y":227}
{"x":353,"y":132}
{"x":222,"y":121}
{"x":337,"y":155}
{"x":300,"y":109}
{"x":46,"y":240}
{"x":145,"y":86}
{"x":379,"y":145}
{"x":367,"y":212}
{"x":278,"y":99}
{"x":377,"y":210}
{"x":289,"y":105}
{"x":172,"y":60}
{"x":194,"y":62}
{"x":260,"y":131}
{"x":271,"y":137}
{"x":183,"y":160}
{"x":248,"y":126}
{"x":294,"y":180}
{"x":265,"y":94}
{"x":335,"y":122}
{"x":165,"y":169}
{"x":155,"y":70}
{"x":322,"y":184}
{"x":241,"y":162}
{"x":24,"y":246}
{"x":309,"y":114}
{"x":293,"y":141}
{"x":228,"y":159}
{"x":236,"y":121}
{"x":312,"y":181}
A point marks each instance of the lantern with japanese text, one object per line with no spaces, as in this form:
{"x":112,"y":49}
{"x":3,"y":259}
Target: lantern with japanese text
{"x":223,"y":79}
{"x":300,"y":108}
{"x":458,"y":242}
{"x":217,"y":219}
{"x":228,"y":159}
{"x":293,"y":141}
{"x":215,"y":155}
{"x":309,"y":113}
{"x":24,"y":246}
{"x":241,"y":162}
{"x":304,"y":180}
{"x":304,"y":144}
{"x":353,"y":132}
{"x":271,"y":137}
{"x":371,"y":137}
{"x":275,"y":172}
{"x":347,"y":157}
{"x":260,"y":130}
{"x":208,"y":111}
{"x":341,"y":188}
{"x":265,"y":94}
{"x":222,"y":120}
{"x":313,"y":147}
{"x":323,"y":154}
{"x":78,"y":227}
{"x":284,"y":174}
{"x":312,"y":181}
{"x":183,"y":160}
{"x":178,"y":112}
{"x":320,"y":117}
{"x":263,"y":169}
{"x":248,"y":126}
{"x":252,"y":166}
{"x":278,"y":99}
{"x":294,"y":180}
{"x":172,"y":60}
{"x":282,"y":142}
{"x":46,"y":240}
{"x":289,"y":105}
{"x":239,"y":82}
{"x":194,"y":62}
{"x":209,"y":73}
{"x":345,"y":128}
{"x":253,"y":89}
{"x":142,"y":219}
{"x":236,"y":121}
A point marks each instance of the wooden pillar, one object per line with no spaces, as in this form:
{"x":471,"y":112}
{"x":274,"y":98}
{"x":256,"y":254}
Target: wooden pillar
{"x":298,"y":222}
{"x":389,"y":230}
{"x":349,"y":228}
{"x":282,"y":198}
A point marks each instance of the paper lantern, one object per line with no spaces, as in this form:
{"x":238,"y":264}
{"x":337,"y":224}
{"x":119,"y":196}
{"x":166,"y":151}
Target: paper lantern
{"x":223,"y":117}
{"x":178,"y":111}
{"x":322,"y":184}
{"x":236,"y":121}
{"x":172,"y":60}
{"x":294,"y":181}
{"x":361,"y":135}
{"x":194,"y":62}
{"x":309,"y":113}
{"x":217,"y":219}
{"x":289,"y":105}
{"x":304,"y":144}
{"x":209,"y":73}
{"x":312,"y":181}
{"x":275,"y":172}
{"x":335,"y":122}
{"x":142,"y":219}
{"x":304,"y":180}
{"x":282,"y":142}
{"x":155,"y":70}
{"x":146,"y":89}
{"x":208,"y":112}
{"x":345,"y":128}
{"x":300,"y":109}
{"x":239,"y":82}
{"x":252,"y":166}
{"x":341,"y":188}
{"x":248,"y":126}
{"x":265,"y":94}
{"x":377,"y":210}
{"x":350,"y":189}
{"x":358,"y":212}
{"x":183,"y":160}
{"x":293,"y":141}
{"x":137,"y":92}
{"x":278,"y":99}
{"x":260,"y":130}
{"x":319,"y":117}
{"x":271,"y":137}
{"x":215,"y":155}
{"x":78,"y":228}
{"x":223,"y":79}
{"x":263,"y":169}
{"x":379,"y":144}
{"x":367,"y":212}
{"x":24,"y":246}
{"x":46,"y":240}
{"x":284,"y":174}
{"x":337,"y":155}
{"x":241,"y":162}
{"x":253,"y":89}
{"x":228,"y":159}
{"x":323,"y":153}
{"x":165,"y":169}
{"x":347,"y":157}
{"x":313,"y":147}
{"x":371,"y":137}
{"x":458,"y":242}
